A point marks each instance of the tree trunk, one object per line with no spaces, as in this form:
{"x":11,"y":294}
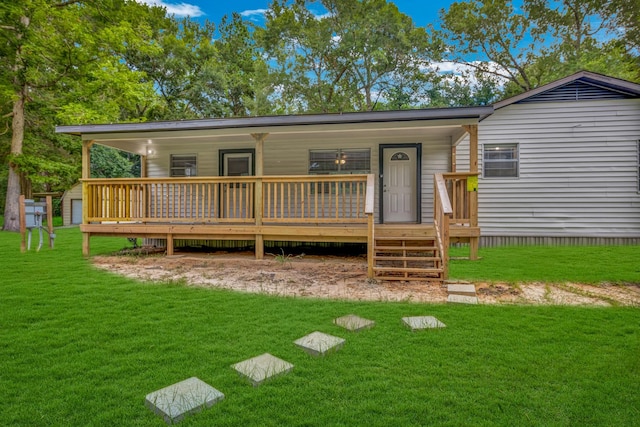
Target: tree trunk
{"x":11,"y":207}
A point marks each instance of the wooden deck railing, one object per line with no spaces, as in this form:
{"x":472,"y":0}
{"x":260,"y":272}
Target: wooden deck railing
{"x":267,"y":199}
{"x":442,"y":214}
{"x":464,"y":203}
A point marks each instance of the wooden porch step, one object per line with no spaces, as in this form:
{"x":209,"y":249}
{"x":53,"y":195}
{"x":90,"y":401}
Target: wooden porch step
{"x":435,"y":279}
{"x":405,"y":258}
{"x":404,"y":254}
{"x":408,"y":269}
{"x":412,"y":238}
{"x":406,"y":248}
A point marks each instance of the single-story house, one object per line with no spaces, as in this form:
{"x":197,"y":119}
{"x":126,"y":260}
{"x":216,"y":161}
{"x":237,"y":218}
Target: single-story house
{"x":560,"y":161}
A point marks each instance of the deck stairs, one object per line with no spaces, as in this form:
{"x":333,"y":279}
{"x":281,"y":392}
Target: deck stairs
{"x":407,"y":252}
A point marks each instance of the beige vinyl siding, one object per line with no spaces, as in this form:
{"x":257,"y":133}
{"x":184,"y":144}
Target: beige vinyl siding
{"x":436,"y":158}
{"x":578,"y":170}
{"x":286,"y":158}
{"x":74,"y":193}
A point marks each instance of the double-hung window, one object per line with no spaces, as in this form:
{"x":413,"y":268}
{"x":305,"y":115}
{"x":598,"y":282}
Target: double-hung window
{"x":183,"y":165}
{"x":500,"y":161}
{"x":339,"y":161}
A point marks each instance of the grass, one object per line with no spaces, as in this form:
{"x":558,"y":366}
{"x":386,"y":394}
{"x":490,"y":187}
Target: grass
{"x":80,"y":346}
{"x":550,"y":264}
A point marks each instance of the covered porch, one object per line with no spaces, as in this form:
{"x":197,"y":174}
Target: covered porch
{"x":275,"y":203}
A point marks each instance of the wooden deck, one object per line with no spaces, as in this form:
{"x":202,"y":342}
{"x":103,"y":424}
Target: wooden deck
{"x":337,"y":208}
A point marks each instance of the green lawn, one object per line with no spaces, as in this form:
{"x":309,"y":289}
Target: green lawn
{"x":551,"y":264}
{"x":80,"y":346}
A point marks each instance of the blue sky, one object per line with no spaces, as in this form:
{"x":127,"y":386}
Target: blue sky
{"x":423,"y":12}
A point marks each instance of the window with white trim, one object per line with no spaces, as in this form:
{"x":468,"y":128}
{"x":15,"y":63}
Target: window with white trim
{"x":183,"y":165}
{"x":500,"y":161}
{"x":345,"y":161}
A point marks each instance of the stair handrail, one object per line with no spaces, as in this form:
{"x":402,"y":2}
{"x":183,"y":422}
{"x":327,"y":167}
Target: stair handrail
{"x":442,"y":213}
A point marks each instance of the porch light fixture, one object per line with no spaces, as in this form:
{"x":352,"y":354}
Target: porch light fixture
{"x":341,"y":160}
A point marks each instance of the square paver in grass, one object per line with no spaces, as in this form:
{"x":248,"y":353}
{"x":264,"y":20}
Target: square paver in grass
{"x":176,"y":401}
{"x":319,"y":344}
{"x":461,"y":289}
{"x":423,"y":322}
{"x":261,"y":368}
{"x":462,"y":299}
{"x":354,"y":323}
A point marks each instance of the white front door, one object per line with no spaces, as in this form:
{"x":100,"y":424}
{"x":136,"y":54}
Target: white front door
{"x":399,"y":184}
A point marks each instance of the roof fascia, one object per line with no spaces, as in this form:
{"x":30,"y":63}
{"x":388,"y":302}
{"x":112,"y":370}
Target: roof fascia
{"x":280,"y":121}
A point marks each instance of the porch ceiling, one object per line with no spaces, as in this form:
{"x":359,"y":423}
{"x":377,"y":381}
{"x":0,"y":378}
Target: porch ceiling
{"x":380,"y":132}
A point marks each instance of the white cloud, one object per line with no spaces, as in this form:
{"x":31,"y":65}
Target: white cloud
{"x":178,"y":9}
{"x":320,"y":16}
{"x":254,"y":14}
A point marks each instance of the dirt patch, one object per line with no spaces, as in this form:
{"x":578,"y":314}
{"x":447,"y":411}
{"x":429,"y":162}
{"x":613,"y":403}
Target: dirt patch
{"x":342,"y":278}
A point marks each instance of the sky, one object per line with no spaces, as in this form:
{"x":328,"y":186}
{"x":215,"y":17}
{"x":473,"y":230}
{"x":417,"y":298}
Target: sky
{"x":423,"y":12}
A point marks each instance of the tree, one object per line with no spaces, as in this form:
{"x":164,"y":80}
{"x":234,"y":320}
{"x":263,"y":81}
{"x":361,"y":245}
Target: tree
{"x":352,"y":58}
{"x":538,"y":42}
{"x":583,"y":37}
{"x":491,"y":36}
{"x":54,"y":54}
{"x":245,"y":89}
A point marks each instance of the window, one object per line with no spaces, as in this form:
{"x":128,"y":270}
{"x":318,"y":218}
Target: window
{"x":183,"y":165}
{"x":500,"y":161}
{"x":399,"y":156}
{"x":237,"y":162}
{"x":347,"y":161}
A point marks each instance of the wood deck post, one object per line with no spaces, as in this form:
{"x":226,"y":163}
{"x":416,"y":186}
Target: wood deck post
{"x":474,"y":242}
{"x":369,"y":209}
{"x":86,"y":174}
{"x":143,"y":167}
{"x":454,"y":159}
{"x":169,"y":244}
{"x":23,"y":225}
{"x":49,"y":203}
{"x":259,"y":200}
{"x":370,"y":246}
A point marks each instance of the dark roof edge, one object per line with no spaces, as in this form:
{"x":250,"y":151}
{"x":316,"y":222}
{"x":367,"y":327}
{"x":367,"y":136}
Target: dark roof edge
{"x":611,"y":82}
{"x":293,"y":120}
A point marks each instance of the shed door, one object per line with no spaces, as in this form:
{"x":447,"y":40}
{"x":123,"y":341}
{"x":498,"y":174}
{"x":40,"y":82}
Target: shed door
{"x":399,"y":190}
{"x":76,"y":211}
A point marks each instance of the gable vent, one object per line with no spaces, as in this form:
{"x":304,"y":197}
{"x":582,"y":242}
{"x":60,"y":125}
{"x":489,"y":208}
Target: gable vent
{"x":576,"y":91}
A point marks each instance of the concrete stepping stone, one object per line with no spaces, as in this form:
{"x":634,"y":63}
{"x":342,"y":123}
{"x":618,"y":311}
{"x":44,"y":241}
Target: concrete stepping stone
{"x":354,"y":323}
{"x":261,"y":368}
{"x":461,"y":289}
{"x":423,"y":322}
{"x":462,"y":299}
{"x":176,"y":401}
{"x":319,"y":344}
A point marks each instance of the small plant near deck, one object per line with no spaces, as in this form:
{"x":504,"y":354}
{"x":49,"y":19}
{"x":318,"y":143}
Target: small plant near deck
{"x":285,"y":259}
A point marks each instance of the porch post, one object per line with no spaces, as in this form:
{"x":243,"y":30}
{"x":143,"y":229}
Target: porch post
{"x":453,"y":158}
{"x":473,"y":197}
{"x":259,"y":137}
{"x":86,"y":174}
{"x":143,"y":166}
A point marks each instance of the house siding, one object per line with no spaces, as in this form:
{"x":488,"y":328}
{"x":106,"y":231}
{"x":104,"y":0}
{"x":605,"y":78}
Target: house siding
{"x":74,"y":193}
{"x":578,"y":171}
{"x":285,"y":158}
